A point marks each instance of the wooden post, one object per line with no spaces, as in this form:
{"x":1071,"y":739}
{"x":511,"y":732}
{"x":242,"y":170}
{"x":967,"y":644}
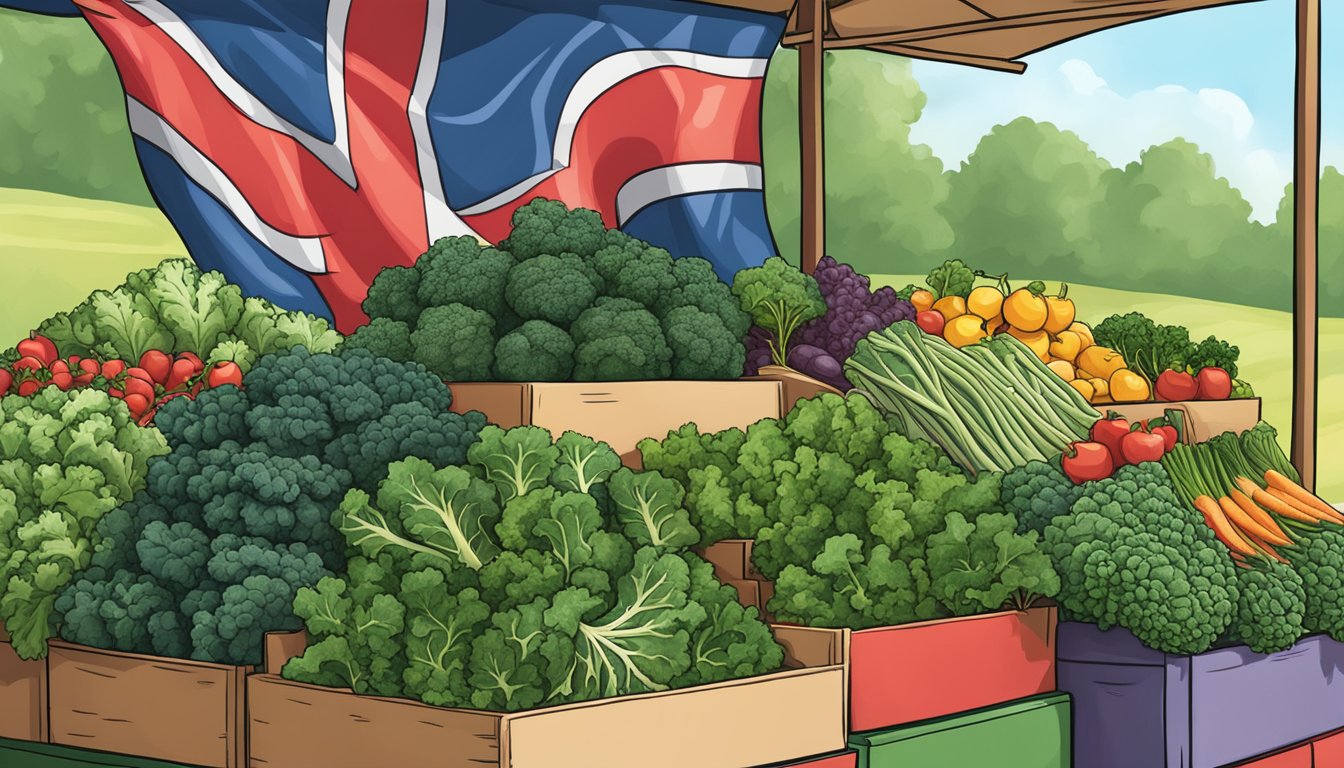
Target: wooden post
{"x":1306,"y":180}
{"x":811,"y":133}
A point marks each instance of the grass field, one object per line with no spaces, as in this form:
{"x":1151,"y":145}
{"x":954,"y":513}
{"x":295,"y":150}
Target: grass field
{"x":55,"y":250}
{"x":1266,"y":340}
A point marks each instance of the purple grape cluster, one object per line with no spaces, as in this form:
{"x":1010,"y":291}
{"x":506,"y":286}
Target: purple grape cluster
{"x":853,"y":310}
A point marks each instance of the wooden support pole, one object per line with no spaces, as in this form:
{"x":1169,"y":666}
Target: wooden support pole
{"x":811,"y":133}
{"x":1306,"y":181}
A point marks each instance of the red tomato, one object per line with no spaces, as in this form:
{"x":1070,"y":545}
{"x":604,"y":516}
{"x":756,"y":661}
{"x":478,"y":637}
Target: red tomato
{"x":1214,"y":384}
{"x":6,"y":381}
{"x":1139,"y":447}
{"x":1109,"y":432}
{"x":931,"y":322}
{"x":1087,"y":462}
{"x":225,"y":373}
{"x":39,"y":347}
{"x":157,"y":364}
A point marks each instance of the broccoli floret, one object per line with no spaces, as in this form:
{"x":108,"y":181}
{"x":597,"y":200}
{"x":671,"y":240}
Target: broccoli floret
{"x":644,"y":275}
{"x":174,"y":553}
{"x":547,"y":226}
{"x":455,"y":342}
{"x":214,"y":416}
{"x":1036,"y":492}
{"x":458,"y":270}
{"x":951,"y":278}
{"x":1319,"y":560}
{"x":407,"y":429}
{"x":534,"y":351}
{"x":1130,"y":555}
{"x":121,"y":611}
{"x":701,"y":347}
{"x":233,"y":632}
{"x":394,"y":294}
{"x":618,"y":340}
{"x":1214,"y":353}
{"x":1271,"y":605}
{"x":384,"y":337}
{"x":551,"y":288}
{"x":699,"y":286}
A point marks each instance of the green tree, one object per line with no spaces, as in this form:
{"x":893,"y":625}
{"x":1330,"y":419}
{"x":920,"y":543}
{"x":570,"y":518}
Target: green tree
{"x":1020,"y":201}
{"x":1330,"y":251}
{"x":882,"y":192}
{"x":63,"y":126}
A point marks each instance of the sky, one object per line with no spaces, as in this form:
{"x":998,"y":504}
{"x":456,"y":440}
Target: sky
{"x":1222,"y":78}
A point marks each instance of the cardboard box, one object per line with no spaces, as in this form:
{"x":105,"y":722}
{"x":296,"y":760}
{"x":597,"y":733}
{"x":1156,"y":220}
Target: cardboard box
{"x":1029,"y":733}
{"x":23,"y":694}
{"x":175,"y":710}
{"x":930,"y":669}
{"x":796,"y":386}
{"x":731,"y":559}
{"x":1133,"y":705}
{"x":1203,"y":418}
{"x":754,"y":721}
{"x":624,"y":412}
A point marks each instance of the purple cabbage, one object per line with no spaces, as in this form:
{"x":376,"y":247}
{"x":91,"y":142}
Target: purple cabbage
{"x":853,"y":310}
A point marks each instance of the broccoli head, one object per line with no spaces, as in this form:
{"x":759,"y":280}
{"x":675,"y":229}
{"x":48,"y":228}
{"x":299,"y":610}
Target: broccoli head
{"x":644,"y":275}
{"x":1271,"y":605}
{"x":701,"y":347}
{"x":556,"y":289}
{"x":534,"y":351}
{"x":1036,"y":492}
{"x":394,"y":294}
{"x":1214,"y":353}
{"x":459,"y":270}
{"x":699,"y":286}
{"x":617,"y":339}
{"x":455,"y":342}
{"x":547,"y":226}
{"x":1319,"y":560}
{"x":384,"y":337}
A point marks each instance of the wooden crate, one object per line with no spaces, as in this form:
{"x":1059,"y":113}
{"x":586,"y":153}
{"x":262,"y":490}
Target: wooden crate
{"x":23,"y":694}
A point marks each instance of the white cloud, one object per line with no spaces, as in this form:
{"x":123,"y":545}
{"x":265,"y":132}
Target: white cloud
{"x":1118,"y":127}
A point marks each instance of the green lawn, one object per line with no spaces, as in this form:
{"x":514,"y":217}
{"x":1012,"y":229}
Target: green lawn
{"x":1265,"y":338}
{"x":55,"y":250}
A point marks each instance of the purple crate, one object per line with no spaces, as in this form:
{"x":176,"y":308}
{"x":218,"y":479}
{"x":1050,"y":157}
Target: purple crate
{"x":1133,"y":706}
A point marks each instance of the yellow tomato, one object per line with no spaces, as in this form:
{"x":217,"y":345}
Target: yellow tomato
{"x":1062,"y":368}
{"x":1100,"y":362}
{"x":1100,"y":389}
{"x":923,"y":300}
{"x":1025,"y":310}
{"x":1129,"y":387}
{"x":950,"y":306}
{"x":985,"y":302}
{"x":1066,"y":346}
{"x":1038,"y":341}
{"x":1084,"y":333}
{"x":1084,"y":388}
{"x":1059,"y":314}
{"x":964,"y":331}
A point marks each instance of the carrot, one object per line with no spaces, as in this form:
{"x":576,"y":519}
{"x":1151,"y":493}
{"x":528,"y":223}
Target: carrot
{"x":1248,"y":524}
{"x":1223,"y":529}
{"x":1304,"y":496}
{"x":1258,"y":515}
{"x":1279,"y":507}
{"x":1266,"y":548}
{"x":1293,"y":502}
{"x":1248,"y":486}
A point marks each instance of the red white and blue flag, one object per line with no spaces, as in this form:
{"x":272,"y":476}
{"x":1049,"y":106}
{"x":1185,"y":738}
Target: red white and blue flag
{"x":299,"y":146}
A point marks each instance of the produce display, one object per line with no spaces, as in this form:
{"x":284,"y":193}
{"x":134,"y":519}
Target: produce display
{"x":234,"y":520}
{"x":67,"y":459}
{"x":856,"y":524}
{"x":820,"y":346}
{"x":1116,"y":442}
{"x":991,"y":406}
{"x":562,"y":299}
{"x":538,"y":574}
{"x":1165,"y":355}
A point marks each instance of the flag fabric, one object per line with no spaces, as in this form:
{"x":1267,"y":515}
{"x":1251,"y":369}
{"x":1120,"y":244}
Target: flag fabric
{"x":299,"y":146}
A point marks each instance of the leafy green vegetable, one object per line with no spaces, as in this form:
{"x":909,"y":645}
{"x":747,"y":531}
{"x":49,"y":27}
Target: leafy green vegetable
{"x":515,"y":460}
{"x":779,"y":299}
{"x":1150,"y":348}
{"x":952,"y":278}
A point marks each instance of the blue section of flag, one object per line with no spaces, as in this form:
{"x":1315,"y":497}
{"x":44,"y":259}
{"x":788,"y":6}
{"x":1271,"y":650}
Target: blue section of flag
{"x":727,"y":228}
{"x":219,"y":242}
{"x":276,"y":50}
{"x":525,"y":57}
{"x":48,"y":7}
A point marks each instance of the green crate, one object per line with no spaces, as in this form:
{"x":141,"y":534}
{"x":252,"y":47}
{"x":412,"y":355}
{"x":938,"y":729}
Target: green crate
{"x":1027,"y":733}
{"x":29,"y":754}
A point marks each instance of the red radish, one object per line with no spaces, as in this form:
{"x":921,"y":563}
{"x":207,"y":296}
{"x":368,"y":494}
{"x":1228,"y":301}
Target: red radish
{"x":29,"y":363}
{"x":28,"y":387}
{"x":1109,"y":432}
{"x":39,"y":347}
{"x":136,"y":386}
{"x":193,"y":359}
{"x":183,"y":371}
{"x":114,"y":392}
{"x":88,"y":369}
{"x":1139,"y":447}
{"x":62,"y":380}
{"x":169,"y":396}
{"x":113,"y":368}
{"x":931,"y":322}
{"x":158,"y":364}
{"x":1214,"y":384}
{"x":141,"y":374}
{"x":145,"y":418}
{"x":1175,"y":386}
{"x":6,"y":381}
{"x":137,"y":404}
{"x":1086,"y":462}
{"x":60,"y":366}
{"x":1168,"y":435}
{"x":225,"y":373}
